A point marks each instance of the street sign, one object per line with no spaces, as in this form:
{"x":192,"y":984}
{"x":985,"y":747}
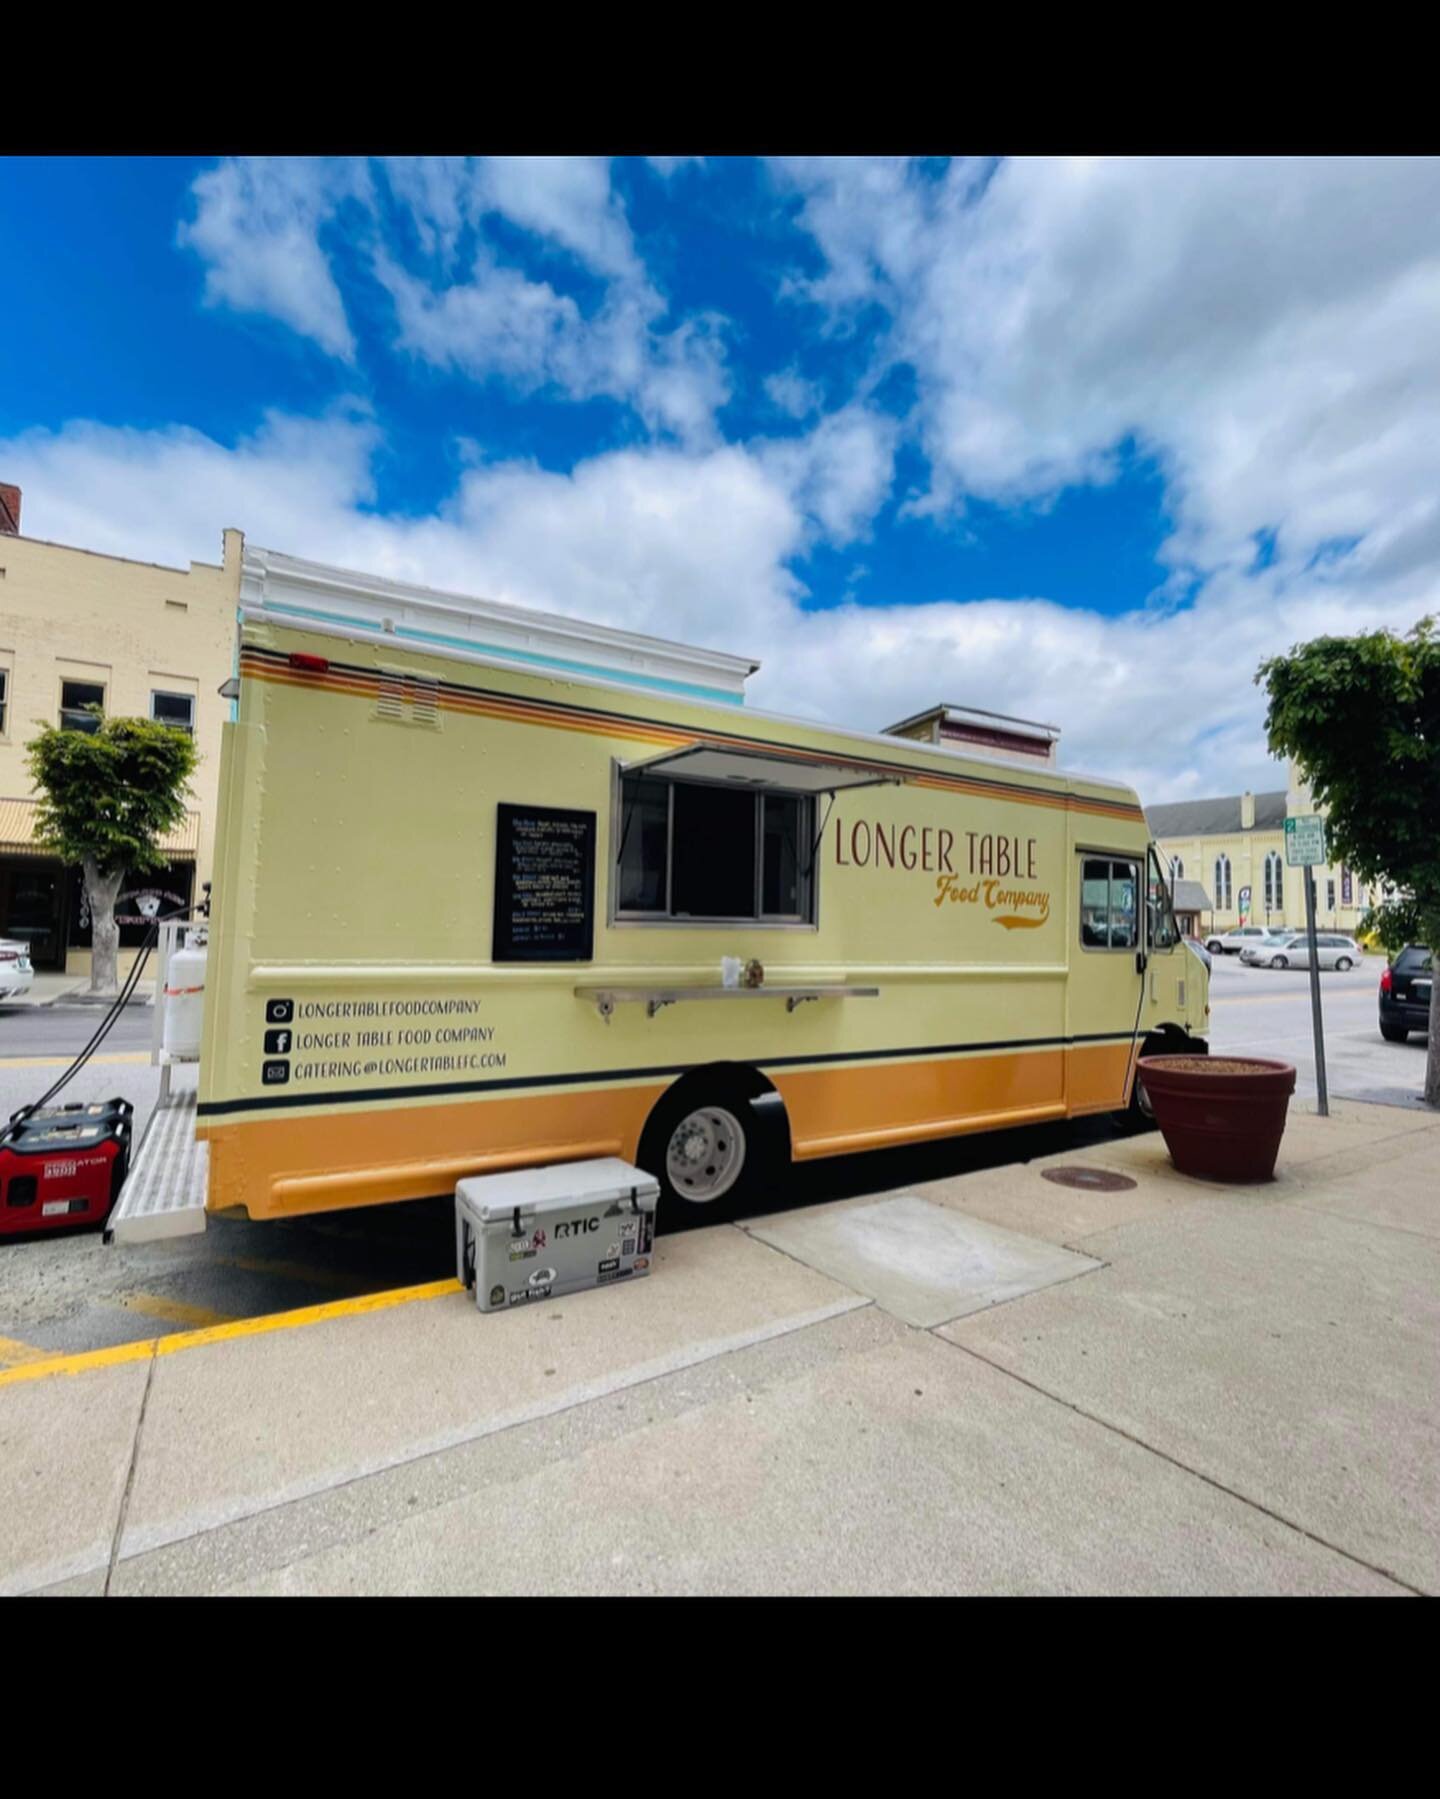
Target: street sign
{"x":1305,"y":841}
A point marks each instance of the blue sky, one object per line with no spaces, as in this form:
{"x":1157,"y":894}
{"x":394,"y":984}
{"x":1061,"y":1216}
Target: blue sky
{"x":1081,"y":440}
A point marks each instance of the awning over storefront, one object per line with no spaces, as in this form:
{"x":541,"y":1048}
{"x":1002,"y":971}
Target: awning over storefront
{"x":764,"y":768}
{"x":17,"y":833}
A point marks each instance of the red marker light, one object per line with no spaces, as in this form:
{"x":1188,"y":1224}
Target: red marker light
{"x":314,"y":665}
{"x":1385,"y":981}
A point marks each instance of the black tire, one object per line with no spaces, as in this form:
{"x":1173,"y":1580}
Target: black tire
{"x":1342,"y":963}
{"x":718,"y":1167}
{"x":1394,"y":1033}
{"x":1215,"y":947}
{"x":1279,"y":962}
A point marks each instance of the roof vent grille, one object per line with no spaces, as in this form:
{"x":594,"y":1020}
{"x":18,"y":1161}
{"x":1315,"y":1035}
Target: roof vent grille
{"x":406,"y":699}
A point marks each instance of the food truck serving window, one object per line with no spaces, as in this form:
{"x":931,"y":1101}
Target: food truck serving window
{"x":1108,"y":915}
{"x":695,"y":850}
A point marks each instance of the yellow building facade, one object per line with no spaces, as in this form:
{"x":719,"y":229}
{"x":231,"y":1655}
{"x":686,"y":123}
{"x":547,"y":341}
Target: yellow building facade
{"x":140,"y":640}
{"x":1237,"y":843}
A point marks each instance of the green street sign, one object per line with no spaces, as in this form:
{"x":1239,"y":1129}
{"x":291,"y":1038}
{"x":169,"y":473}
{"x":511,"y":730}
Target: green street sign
{"x":1305,"y":841}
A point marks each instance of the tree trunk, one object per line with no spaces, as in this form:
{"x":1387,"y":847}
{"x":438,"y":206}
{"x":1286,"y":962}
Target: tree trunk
{"x":101,"y":891}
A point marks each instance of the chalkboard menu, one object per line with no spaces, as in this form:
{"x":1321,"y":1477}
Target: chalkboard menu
{"x":544,"y":885}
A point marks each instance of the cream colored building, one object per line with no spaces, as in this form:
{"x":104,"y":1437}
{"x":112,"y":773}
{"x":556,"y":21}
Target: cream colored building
{"x":140,"y":640}
{"x":1238,"y":842}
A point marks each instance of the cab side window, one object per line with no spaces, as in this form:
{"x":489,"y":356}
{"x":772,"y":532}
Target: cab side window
{"x":1109,"y":918}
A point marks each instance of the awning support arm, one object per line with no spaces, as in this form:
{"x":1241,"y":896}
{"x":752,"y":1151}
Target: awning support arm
{"x":819,"y":837}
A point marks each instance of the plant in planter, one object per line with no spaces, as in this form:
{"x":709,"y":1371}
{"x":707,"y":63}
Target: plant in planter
{"x":1222,"y":1117}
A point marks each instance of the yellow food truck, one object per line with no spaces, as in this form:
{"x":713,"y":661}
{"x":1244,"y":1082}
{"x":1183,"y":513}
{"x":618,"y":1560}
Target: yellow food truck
{"x":474,"y":914}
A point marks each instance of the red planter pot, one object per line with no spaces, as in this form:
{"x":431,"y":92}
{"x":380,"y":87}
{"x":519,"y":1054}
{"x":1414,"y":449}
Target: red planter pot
{"x":1221,"y":1119}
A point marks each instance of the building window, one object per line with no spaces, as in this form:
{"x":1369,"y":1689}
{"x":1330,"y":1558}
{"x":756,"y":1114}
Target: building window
{"x":1108,"y":916}
{"x":4,"y":699}
{"x":1222,"y":884}
{"x":76,"y":699}
{"x":1274,"y":882}
{"x":1330,"y":894}
{"x":1177,"y":869}
{"x":174,"y":709}
{"x":1347,"y":887}
{"x":696,"y":851}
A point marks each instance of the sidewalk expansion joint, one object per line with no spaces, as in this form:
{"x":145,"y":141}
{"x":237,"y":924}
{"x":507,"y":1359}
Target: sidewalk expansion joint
{"x":1199,"y":1474}
{"x":124,"y":1508}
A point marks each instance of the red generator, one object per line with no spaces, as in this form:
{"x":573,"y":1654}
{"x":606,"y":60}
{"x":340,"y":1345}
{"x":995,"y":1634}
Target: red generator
{"x":64,"y":1165}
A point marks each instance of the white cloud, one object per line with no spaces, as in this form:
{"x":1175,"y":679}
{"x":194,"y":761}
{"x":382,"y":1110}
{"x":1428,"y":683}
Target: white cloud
{"x":666,"y":166}
{"x":840,"y":472}
{"x":1269,"y":329}
{"x":501,"y":323}
{"x":793,"y":394}
{"x":256,"y":227}
{"x":569,"y":200}
{"x":258,"y":222}
{"x":703,"y":547}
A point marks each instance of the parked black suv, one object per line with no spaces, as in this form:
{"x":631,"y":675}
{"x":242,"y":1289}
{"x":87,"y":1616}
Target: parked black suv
{"x":1405,"y":994}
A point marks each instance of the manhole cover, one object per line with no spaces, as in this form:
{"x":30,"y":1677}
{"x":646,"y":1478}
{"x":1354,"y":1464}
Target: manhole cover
{"x":1096,"y":1180}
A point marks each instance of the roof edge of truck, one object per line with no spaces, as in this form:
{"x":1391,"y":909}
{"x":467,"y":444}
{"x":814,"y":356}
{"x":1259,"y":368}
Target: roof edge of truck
{"x":324,"y":577}
{"x":347,"y":631}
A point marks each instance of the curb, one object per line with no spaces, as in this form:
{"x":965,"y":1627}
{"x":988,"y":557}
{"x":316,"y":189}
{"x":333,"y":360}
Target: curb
{"x":91,"y":999}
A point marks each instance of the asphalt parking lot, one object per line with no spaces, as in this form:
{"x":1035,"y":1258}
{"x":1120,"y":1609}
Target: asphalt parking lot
{"x":63,"y":1294}
{"x":1266,"y":1012}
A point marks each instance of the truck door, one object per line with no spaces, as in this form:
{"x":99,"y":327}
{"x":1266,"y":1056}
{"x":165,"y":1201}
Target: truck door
{"x":1105,"y":985}
{"x":1174,"y":979}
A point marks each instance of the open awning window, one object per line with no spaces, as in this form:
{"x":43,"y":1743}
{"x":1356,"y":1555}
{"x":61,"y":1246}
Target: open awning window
{"x":763,"y":769}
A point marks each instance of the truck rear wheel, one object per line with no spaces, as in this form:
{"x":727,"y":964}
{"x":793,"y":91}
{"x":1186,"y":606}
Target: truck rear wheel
{"x":709,"y":1151}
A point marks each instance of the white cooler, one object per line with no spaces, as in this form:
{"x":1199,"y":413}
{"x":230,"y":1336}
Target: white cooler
{"x":539,"y":1232}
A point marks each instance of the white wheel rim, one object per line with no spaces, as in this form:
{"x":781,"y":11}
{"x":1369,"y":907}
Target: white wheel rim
{"x":705,"y":1154}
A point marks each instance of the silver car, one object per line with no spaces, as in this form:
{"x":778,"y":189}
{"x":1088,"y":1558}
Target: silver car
{"x":1331,"y":951}
{"x":1260,"y":945}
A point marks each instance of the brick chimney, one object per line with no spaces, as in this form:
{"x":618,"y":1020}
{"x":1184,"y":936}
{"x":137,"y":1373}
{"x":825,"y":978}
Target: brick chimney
{"x":9,"y":511}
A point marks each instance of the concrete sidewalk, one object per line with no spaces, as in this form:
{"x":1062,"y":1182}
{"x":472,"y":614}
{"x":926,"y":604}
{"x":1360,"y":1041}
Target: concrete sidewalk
{"x":992,"y":1384}
{"x":73,"y":989}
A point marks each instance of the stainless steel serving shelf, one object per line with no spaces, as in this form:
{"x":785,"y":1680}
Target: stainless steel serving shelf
{"x":605,"y":999}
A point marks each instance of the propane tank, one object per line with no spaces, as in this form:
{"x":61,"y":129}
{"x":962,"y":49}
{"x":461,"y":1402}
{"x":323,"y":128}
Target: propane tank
{"x":185,"y":999}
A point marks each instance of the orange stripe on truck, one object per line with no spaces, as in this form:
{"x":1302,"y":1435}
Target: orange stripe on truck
{"x":283,"y":1166}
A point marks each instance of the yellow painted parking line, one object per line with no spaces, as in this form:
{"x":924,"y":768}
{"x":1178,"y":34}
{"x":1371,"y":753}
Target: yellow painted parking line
{"x":129,"y":1057}
{"x":224,"y":1333}
{"x":174,"y":1311}
{"x":13,"y":1351}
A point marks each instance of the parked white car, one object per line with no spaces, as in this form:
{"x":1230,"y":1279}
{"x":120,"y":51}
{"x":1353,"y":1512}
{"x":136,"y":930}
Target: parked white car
{"x":1248,"y":936}
{"x":16,"y":974}
{"x":1331,"y":951}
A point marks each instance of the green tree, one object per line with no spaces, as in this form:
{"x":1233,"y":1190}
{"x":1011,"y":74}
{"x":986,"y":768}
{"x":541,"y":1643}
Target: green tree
{"x":1361,"y":716}
{"x":105,"y":799}
{"x":1395,"y":922}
